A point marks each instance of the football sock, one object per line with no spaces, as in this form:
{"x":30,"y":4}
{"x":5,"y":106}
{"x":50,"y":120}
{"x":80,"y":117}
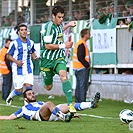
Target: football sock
{"x":29,"y":88}
{"x":14,"y":93}
{"x":82,"y":105}
{"x":67,"y":89}
{"x":58,"y":113}
{"x":55,"y":111}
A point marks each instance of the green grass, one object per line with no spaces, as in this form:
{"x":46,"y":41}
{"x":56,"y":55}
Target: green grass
{"x":108,"y":109}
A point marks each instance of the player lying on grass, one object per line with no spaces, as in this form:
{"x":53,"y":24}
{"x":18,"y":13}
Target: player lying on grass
{"x":48,"y":111}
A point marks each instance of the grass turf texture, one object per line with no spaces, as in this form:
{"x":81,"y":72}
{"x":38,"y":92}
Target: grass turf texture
{"x":108,"y":110}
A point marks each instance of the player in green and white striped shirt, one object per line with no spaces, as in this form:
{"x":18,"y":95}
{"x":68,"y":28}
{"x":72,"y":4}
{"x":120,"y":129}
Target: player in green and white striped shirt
{"x":53,"y":54}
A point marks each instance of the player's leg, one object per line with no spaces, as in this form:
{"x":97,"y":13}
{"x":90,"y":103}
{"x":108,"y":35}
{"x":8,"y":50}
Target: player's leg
{"x":67,"y":88}
{"x":78,"y":106}
{"x":81,"y":106}
{"x":47,"y":78}
{"x":85,"y":105}
{"x":49,"y":108}
{"x":28,"y":83}
{"x":64,"y":107}
{"x":45,"y":112}
{"x":18,"y":85}
{"x":28,"y":79}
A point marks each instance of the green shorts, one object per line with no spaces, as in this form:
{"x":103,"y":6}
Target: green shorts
{"x":48,"y":73}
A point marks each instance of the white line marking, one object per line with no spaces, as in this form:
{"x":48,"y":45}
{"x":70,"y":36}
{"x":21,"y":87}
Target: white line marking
{"x":9,"y":105}
{"x":102,"y":117}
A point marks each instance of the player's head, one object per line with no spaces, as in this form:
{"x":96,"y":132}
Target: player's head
{"x":22,"y":30}
{"x":58,"y":14}
{"x":29,"y":96}
{"x":85,"y":33}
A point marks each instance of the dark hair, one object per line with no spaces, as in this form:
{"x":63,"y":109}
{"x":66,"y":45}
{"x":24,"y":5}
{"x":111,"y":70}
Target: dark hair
{"x":24,"y":93}
{"x":21,"y":25}
{"x":8,"y":39}
{"x":57,"y":9}
{"x":83,"y":32}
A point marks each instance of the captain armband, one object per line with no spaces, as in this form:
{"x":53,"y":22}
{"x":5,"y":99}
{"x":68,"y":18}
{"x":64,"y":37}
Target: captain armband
{"x":62,"y":45}
{"x":48,"y":39}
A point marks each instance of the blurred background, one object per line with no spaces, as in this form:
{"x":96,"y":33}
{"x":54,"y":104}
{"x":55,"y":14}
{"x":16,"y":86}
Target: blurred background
{"x":39,"y":11}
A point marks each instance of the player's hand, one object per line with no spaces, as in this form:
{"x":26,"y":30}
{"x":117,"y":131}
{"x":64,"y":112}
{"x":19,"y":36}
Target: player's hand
{"x":68,"y":44}
{"x":72,"y":23}
{"x":19,"y":63}
{"x":35,"y":58}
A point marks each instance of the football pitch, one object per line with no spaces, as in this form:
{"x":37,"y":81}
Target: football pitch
{"x":104,"y":119}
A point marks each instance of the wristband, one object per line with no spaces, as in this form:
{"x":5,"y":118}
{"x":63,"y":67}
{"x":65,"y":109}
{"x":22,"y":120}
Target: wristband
{"x":62,"y":45}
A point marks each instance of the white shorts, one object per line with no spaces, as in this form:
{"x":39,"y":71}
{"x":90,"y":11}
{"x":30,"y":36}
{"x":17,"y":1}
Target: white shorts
{"x":20,"y":80}
{"x":37,"y":116}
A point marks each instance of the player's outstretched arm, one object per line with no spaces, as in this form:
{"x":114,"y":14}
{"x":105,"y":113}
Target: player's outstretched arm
{"x":11,"y":117}
{"x":70,"y":24}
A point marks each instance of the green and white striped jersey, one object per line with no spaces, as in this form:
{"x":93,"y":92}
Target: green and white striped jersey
{"x":52,"y":35}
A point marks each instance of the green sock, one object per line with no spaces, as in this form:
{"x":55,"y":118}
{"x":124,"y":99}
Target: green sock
{"x":67,"y":89}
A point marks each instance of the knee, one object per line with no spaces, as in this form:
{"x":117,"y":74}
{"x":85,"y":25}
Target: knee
{"x":49,"y":104}
{"x":63,"y":75}
{"x":49,"y":87}
{"x":19,"y":90}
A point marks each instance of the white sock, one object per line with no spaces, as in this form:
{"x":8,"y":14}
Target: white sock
{"x":85,"y":105}
{"x":12,"y":94}
{"x":82,"y":105}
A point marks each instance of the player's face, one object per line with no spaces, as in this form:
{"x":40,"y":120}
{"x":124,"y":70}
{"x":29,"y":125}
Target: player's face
{"x":88,"y":34}
{"x":23,"y":32}
{"x":58,"y":19}
{"x":30,"y":96}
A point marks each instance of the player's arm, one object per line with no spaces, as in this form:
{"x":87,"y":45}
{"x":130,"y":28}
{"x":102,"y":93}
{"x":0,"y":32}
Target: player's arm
{"x":70,"y":24}
{"x":48,"y":45}
{"x":10,"y":54}
{"x":10,"y":58}
{"x":18,"y":62}
{"x":34,"y":56}
{"x":58,"y":46}
{"x":11,"y":117}
{"x":33,"y":53}
{"x":51,"y":46}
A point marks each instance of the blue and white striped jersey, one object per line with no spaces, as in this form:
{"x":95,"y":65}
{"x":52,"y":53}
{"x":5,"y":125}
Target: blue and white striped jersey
{"x":22,"y":51}
{"x":28,"y":111}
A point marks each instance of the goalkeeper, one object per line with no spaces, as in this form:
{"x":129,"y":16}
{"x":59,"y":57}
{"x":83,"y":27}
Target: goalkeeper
{"x":41,"y":111}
